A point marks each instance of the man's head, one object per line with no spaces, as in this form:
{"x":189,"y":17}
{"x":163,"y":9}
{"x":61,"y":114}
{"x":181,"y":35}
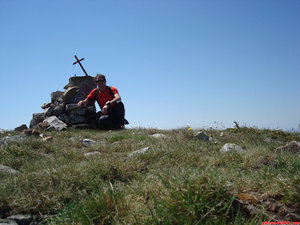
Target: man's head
{"x":100,"y":77}
{"x":100,"y":81}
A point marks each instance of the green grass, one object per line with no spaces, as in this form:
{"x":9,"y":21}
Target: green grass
{"x":181,"y":180}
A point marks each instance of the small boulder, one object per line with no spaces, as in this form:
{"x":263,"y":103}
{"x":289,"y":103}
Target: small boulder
{"x":15,"y":138}
{"x":8,"y":169}
{"x":55,"y":123}
{"x":293,"y":147}
{"x":36,"y":118}
{"x":46,"y":105}
{"x":158,"y":136}
{"x":21,"y":219}
{"x":140,"y":151}
{"x":47,"y":139}
{"x":91,"y":153}
{"x":56,"y":95}
{"x":229,"y":147}
{"x":202,"y":136}
{"x":7,"y":222}
{"x":69,"y":94}
{"x":87,"y":142}
{"x":21,"y":128}
{"x":43,"y":125}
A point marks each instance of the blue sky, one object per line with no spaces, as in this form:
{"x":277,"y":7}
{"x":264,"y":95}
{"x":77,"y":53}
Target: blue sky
{"x":174,"y":62}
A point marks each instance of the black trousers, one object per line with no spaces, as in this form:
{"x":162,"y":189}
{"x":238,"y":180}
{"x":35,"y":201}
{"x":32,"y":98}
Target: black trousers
{"x":114,"y":119}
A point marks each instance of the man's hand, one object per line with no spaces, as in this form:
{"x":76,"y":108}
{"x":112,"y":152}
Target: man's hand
{"x":81,"y":103}
{"x":105,"y":108}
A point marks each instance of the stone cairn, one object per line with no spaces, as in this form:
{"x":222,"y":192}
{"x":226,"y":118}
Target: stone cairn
{"x":63,"y":107}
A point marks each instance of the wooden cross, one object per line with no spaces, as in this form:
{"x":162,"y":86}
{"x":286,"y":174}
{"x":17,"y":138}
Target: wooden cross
{"x":78,"y":61}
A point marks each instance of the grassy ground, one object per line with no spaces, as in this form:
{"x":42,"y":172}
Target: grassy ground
{"x":181,"y":180}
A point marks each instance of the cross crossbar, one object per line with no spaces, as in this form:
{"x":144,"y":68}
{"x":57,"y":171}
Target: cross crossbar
{"x":78,"y":61}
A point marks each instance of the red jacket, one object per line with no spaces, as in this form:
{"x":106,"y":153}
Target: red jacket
{"x":103,"y":96}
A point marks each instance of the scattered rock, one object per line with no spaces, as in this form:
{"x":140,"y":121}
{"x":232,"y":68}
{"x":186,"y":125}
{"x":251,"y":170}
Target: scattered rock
{"x":293,"y":147}
{"x":43,"y":125}
{"x":22,"y":127}
{"x":70,"y":107}
{"x":70,"y":93}
{"x":158,"y":136}
{"x":56,"y":95}
{"x":45,"y":139}
{"x":141,"y":151}
{"x":36,"y":118}
{"x":21,"y":219}
{"x":45,"y":105}
{"x":92,"y":153}
{"x":58,"y":110}
{"x":7,"y":222}
{"x":48,"y":112}
{"x":72,"y":139}
{"x":55,"y":123}
{"x":15,"y":138}
{"x":35,"y":132}
{"x":8,"y":169}
{"x":229,"y":147}
{"x":27,"y":132}
{"x":202,"y":136}
{"x":87,"y":142}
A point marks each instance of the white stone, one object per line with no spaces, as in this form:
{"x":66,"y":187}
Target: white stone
{"x":143,"y":150}
{"x":8,"y":169}
{"x":92,"y":153}
{"x":87,"y":142}
{"x":229,"y":147}
{"x":55,"y":123}
{"x":158,"y":136}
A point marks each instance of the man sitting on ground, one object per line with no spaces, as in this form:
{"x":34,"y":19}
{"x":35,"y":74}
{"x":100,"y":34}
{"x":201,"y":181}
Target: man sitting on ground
{"x":112,"y":109}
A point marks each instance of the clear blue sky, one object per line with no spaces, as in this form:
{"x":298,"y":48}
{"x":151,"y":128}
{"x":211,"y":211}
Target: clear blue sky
{"x":174,"y":62}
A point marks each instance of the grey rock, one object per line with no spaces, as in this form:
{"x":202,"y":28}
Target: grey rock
{"x":62,"y":117}
{"x":46,"y":105}
{"x":92,"y":153}
{"x":140,"y":151}
{"x":70,"y":93}
{"x":21,"y":127}
{"x":202,"y":136}
{"x":85,"y":84}
{"x":58,"y":110}
{"x":56,"y":95}
{"x":88,"y":142}
{"x":8,"y":169}
{"x":70,"y":107}
{"x":21,"y":219}
{"x":36,"y":119}
{"x":55,"y":123}
{"x":229,"y":147}
{"x":15,"y":138}
{"x":158,"y":136}
{"x":72,"y":120}
{"x":7,"y":222}
{"x":48,"y":111}
{"x":293,"y":147}
{"x":78,"y":112}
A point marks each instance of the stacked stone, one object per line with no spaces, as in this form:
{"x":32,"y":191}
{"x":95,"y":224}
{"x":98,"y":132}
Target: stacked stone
{"x":63,"y":105}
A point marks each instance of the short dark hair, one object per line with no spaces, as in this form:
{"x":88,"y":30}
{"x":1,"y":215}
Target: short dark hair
{"x":100,"y":77}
